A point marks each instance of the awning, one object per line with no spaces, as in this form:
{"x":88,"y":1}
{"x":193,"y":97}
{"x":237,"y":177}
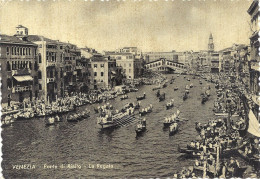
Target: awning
{"x":253,"y":127}
{"x":23,"y":78}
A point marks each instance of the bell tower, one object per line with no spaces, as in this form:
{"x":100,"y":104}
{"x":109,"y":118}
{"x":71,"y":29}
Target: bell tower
{"x":211,"y":43}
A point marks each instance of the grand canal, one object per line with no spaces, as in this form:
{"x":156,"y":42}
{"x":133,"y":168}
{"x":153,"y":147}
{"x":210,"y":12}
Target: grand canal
{"x":154,"y":154}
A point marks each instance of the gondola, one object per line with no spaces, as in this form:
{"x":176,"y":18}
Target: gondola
{"x":176,"y":88}
{"x":7,"y":121}
{"x":145,"y":111}
{"x":124,"y":97}
{"x":171,"y":119}
{"x":140,"y":127}
{"x":164,"y":85}
{"x":204,"y":99}
{"x":158,"y":93}
{"x":73,"y":118}
{"x":50,"y":121}
{"x":170,"y":104}
{"x":141,"y":97}
{"x":162,"y":97}
{"x":253,"y":159}
{"x":185,"y":96}
{"x":173,"y":128}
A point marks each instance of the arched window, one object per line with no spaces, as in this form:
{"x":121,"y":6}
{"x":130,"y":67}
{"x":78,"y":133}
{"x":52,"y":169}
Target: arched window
{"x":15,"y":50}
{"x":21,"y":51}
{"x":26,"y":51}
{"x":29,"y":51}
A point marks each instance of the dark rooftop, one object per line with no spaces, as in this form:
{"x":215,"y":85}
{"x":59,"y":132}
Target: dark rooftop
{"x":14,"y":40}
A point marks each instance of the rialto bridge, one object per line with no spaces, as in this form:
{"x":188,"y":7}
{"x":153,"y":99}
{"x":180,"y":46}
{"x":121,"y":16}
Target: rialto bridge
{"x":166,"y":66}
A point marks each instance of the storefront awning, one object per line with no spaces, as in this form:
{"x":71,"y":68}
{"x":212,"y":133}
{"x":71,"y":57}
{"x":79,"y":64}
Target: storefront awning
{"x":253,"y":127}
{"x":23,"y":78}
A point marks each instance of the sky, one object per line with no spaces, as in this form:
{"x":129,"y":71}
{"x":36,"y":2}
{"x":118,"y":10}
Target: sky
{"x":149,"y":25}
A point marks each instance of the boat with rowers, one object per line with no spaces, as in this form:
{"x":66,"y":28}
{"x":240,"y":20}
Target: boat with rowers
{"x":191,"y":85}
{"x":7,"y":121}
{"x":146,"y":110}
{"x":176,"y":88}
{"x":140,"y":127}
{"x":185,"y":96}
{"x":141,"y":97}
{"x":78,"y":117}
{"x":173,"y":128}
{"x":162,"y":97}
{"x":158,"y":93}
{"x":170,"y":104}
{"x":204,"y":99}
{"x":50,"y":121}
{"x":113,"y":121}
{"x":173,"y":118}
{"x":124,"y":97}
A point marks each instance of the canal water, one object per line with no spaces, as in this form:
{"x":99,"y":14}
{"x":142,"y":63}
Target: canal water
{"x":116,"y":153}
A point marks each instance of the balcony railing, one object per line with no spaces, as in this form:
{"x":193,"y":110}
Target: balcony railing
{"x":50,"y":80}
{"x":51,"y":63}
{"x":79,"y":67}
{"x":21,"y":72}
{"x":18,"y":89}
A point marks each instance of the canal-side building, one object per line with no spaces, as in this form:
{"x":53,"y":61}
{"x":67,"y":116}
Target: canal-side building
{"x":49,"y":59}
{"x":154,"y":56}
{"x":215,"y":64}
{"x":73,"y":69}
{"x":254,"y":59}
{"x":18,"y":67}
{"x":98,"y":72}
{"x":132,"y":66}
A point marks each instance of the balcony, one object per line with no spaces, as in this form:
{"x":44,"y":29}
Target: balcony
{"x":18,"y":89}
{"x":79,"y":67}
{"x":50,"y":80}
{"x":51,"y":63}
{"x":21,"y":72}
